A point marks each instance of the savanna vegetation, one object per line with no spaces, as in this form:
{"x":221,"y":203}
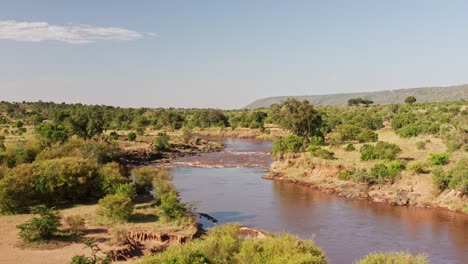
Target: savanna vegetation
{"x":57,"y":156}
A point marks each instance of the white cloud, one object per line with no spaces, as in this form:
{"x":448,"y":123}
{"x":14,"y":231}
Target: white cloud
{"x":73,"y":34}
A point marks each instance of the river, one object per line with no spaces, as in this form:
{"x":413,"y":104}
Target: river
{"x":229,"y":187}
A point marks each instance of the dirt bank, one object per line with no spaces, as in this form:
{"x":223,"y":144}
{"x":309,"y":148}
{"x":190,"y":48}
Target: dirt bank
{"x":415,"y":190}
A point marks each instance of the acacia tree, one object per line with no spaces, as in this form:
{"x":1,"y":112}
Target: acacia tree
{"x":299,"y":117}
{"x":410,"y":100}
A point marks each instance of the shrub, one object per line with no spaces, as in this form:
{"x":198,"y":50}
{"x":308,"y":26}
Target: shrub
{"x":187,"y":135}
{"x":223,"y":244}
{"x":161,"y":142}
{"x":143,"y":178}
{"x":288,"y":144}
{"x":382,"y":150}
{"x":132,"y":136}
{"x":393,"y":257}
{"x":127,"y":190}
{"x":350,"y":147}
{"x":168,"y":200}
{"x":119,"y":235}
{"x":409,"y":131}
{"x":110,"y":178}
{"x":76,"y":224}
{"x":417,"y":167}
{"x":345,"y":175}
{"x":439,"y":158}
{"x":385,"y":172}
{"x":316,"y":141}
{"x":115,"y":207}
{"x":114,"y":135}
{"x":40,"y":228}
{"x":320,"y":152}
{"x":459,"y":176}
{"x":421,"y":145}
{"x":94,"y":258}
{"x":367,"y":135}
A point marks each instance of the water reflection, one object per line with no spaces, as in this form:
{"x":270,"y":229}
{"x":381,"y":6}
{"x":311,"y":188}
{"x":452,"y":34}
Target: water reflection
{"x":346,"y":229}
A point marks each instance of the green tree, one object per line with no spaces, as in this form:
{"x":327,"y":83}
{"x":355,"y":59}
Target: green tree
{"x":410,"y":100}
{"x":299,"y":117}
{"x":42,"y":227}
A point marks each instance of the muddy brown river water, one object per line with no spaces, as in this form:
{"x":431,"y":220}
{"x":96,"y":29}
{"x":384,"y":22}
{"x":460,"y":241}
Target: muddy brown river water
{"x":228,"y":186}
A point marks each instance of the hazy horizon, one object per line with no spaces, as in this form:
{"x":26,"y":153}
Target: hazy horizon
{"x":223,"y":54}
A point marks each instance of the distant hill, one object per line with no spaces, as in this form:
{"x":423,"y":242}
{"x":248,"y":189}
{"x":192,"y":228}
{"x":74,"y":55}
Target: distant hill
{"x":425,"y":94}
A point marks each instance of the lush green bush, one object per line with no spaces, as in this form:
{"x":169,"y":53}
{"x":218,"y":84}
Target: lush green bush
{"x":439,"y":158}
{"x":320,"y":152}
{"x":385,"y":172}
{"x":393,"y":258}
{"x":50,"y":133}
{"x":456,"y":178}
{"x":110,"y":178}
{"x":161,"y":142}
{"x":288,"y":144}
{"x":367,"y":135}
{"x":345,"y":175}
{"x":131,"y":136}
{"x":143,"y":178}
{"x":168,"y":200}
{"x":382,"y":150}
{"x":40,"y":228}
{"x":116,"y":207}
{"x":223,"y":244}
{"x":316,"y":141}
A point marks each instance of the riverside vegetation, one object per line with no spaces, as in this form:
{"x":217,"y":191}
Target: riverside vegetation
{"x":62,"y":160}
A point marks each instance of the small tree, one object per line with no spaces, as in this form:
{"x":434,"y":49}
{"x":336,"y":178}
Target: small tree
{"x":410,"y":100}
{"x":42,"y":227}
{"x":161,"y":142}
{"x":187,"y":134}
{"x":116,"y":207}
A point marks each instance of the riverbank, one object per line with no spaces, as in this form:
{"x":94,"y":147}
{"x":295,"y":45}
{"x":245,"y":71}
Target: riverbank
{"x":414,"y":190}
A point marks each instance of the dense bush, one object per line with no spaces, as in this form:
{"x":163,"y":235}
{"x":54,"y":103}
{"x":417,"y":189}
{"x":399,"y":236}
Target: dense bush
{"x":161,"y":142}
{"x":367,"y":135}
{"x":223,"y":244}
{"x":345,"y":175}
{"x":131,"y":136}
{"x":143,"y":178}
{"x":288,"y":144}
{"x":439,"y":158}
{"x":168,"y":200}
{"x":110,"y":178}
{"x":320,"y":152}
{"x":456,"y":178}
{"x":50,"y":133}
{"x":385,"y":172}
{"x":382,"y":150}
{"x":316,"y":141}
{"x":41,"y":227}
{"x":115,"y":207}
{"x":393,"y":257}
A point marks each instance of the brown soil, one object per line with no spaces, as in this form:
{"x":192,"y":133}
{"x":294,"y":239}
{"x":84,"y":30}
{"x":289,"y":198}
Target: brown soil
{"x":416,"y":190}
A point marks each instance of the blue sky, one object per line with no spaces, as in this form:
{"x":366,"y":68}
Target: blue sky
{"x":225,"y":54}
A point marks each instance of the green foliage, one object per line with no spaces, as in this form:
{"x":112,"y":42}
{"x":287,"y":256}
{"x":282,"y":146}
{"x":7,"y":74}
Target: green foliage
{"x":421,"y":145}
{"x":385,"y":172}
{"x":40,"y":228}
{"x":410,"y":100}
{"x":168,"y":200}
{"x":50,"y":133}
{"x":439,"y":158}
{"x":350,"y":147}
{"x":161,"y":142}
{"x":382,"y":150}
{"x":299,"y":117}
{"x":417,"y":167}
{"x":223,"y":244}
{"x":116,"y":207}
{"x":316,"y":141}
{"x":143,"y":178}
{"x":110,"y":178}
{"x":132,"y":136}
{"x":114,"y":135}
{"x":358,"y":101}
{"x":456,"y":178}
{"x":345,"y":175}
{"x":320,"y":152}
{"x":393,"y":258}
{"x":76,"y":224}
{"x":21,"y":153}
{"x":288,"y":144}
{"x":367,"y":135}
